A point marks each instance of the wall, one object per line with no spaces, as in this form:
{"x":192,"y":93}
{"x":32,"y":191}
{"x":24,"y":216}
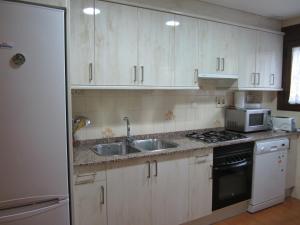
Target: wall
{"x":291,"y":22}
{"x":148,"y":111}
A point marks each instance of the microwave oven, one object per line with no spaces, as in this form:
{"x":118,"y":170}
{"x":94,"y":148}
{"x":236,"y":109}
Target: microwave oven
{"x":248,"y":120}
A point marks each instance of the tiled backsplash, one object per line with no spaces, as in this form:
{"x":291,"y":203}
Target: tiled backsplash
{"x":148,"y":111}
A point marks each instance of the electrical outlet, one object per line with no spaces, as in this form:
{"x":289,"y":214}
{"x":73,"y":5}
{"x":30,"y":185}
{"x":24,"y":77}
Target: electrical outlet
{"x":220,"y":101}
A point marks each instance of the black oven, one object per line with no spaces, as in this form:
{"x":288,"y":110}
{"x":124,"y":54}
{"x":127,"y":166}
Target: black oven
{"x":232,"y":174}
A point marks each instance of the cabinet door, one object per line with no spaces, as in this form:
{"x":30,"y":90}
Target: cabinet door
{"x":200,"y":186}
{"x":170,"y":192}
{"x":230,"y":49}
{"x":129,"y":195}
{"x":218,"y":52}
{"x":82,"y":43}
{"x":275,"y":79}
{"x":156,"y":48}
{"x":209,"y":47}
{"x":186,"y":52}
{"x":247,"y":57}
{"x":115,"y":44}
{"x":263,"y":59}
{"x":291,"y":163}
{"x":90,"y":203}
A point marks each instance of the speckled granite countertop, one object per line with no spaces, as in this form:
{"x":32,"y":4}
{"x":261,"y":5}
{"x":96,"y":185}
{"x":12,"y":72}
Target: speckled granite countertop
{"x":83,"y":156}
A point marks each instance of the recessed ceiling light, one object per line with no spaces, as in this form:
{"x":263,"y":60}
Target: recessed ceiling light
{"x":91,"y":11}
{"x":172,"y":23}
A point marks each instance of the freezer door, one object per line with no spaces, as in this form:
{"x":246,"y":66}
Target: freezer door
{"x":48,"y":213}
{"x":33,"y":131}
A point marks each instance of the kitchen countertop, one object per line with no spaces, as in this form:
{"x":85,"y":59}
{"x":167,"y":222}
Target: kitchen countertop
{"x":83,"y":156}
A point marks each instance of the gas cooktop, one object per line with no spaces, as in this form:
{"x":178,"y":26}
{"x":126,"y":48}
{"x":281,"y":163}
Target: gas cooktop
{"x":215,"y":136}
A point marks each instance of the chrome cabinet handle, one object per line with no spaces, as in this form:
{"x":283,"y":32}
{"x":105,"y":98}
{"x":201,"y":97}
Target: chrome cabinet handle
{"x":223,"y":64}
{"x":272,"y":79}
{"x":156,"y":168}
{"x":149,"y":169}
{"x":90,"y":72}
{"x":258,"y":78}
{"x":211,"y":172}
{"x":135,"y":74}
{"x":142,"y":69}
{"x":196,"y":74}
{"x":218,"y":64}
{"x":102,"y":197}
{"x":253,"y":79}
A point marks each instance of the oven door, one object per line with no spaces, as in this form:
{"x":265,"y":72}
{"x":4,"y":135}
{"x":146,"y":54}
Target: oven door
{"x":231,"y":184}
{"x":257,"y":120}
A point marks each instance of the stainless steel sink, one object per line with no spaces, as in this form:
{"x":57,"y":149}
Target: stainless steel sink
{"x":153,"y":144}
{"x":119,"y":148}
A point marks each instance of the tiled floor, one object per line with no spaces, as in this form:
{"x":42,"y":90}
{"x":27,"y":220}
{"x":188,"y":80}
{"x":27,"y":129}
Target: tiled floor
{"x":287,"y":213}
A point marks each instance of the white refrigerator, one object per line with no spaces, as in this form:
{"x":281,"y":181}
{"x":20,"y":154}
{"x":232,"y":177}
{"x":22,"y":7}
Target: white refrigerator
{"x":34,"y":187}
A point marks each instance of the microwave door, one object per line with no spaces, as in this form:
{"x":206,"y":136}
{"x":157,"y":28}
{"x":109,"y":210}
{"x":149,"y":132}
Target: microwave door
{"x":256,"y":121}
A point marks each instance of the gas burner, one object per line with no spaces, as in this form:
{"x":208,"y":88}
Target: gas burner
{"x":215,"y":136}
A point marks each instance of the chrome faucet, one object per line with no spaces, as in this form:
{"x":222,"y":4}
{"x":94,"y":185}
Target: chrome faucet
{"x":128,"y":137}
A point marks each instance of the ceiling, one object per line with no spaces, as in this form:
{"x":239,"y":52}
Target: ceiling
{"x":279,"y":9}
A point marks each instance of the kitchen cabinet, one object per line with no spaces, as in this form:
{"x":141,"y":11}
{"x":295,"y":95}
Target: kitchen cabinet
{"x":116,"y":38}
{"x":200,"y":184}
{"x":170,"y":192}
{"x":186,"y":52}
{"x":81,"y":44}
{"x":127,"y":47}
{"x":247,"y":58}
{"x":155,"y":48}
{"x":291,"y":163}
{"x":218,"y":52}
{"x":90,"y":200}
{"x":129,"y":195}
{"x":260,"y":60}
{"x":154,"y":192}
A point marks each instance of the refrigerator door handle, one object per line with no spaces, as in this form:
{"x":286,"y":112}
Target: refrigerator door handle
{"x":8,"y":215}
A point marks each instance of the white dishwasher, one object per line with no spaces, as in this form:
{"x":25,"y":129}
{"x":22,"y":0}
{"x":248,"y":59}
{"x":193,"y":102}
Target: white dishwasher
{"x":269,"y":173}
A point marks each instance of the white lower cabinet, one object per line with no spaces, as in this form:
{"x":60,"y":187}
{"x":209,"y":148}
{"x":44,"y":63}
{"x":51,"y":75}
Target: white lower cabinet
{"x":160,"y":191}
{"x":170,"y":192}
{"x":291,"y":163}
{"x":151,"y":193}
{"x":200,"y":184}
{"x":129,"y":195}
{"x":90,"y":200}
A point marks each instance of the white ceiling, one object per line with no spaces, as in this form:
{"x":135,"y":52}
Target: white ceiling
{"x":279,"y":9}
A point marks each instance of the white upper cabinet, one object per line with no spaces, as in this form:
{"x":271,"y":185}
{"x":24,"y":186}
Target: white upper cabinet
{"x":247,"y":58}
{"x":155,"y":48}
{"x":82,"y":43}
{"x":263,"y":59}
{"x":275,"y":78}
{"x":119,"y":46}
{"x":218,"y":53}
{"x":260,"y":60}
{"x":116,"y":33}
{"x":186,"y":52}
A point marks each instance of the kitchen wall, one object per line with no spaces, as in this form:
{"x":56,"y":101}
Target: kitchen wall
{"x":148,"y":111}
{"x":291,"y":22}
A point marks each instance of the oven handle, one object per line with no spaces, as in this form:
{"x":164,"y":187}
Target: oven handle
{"x":233,"y":166}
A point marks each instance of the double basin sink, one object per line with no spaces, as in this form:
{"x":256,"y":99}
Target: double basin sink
{"x":136,"y":146}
